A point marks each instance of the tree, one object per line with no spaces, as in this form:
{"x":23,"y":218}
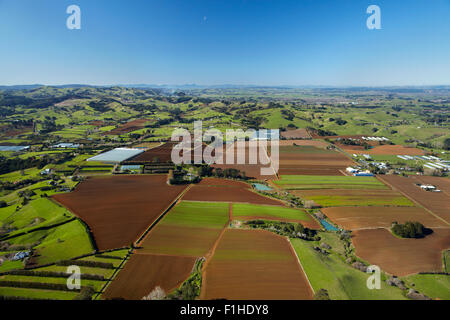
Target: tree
{"x":446,"y":144}
{"x":322,"y":294}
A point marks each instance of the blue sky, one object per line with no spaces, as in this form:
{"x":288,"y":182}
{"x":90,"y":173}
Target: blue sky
{"x":279,"y":42}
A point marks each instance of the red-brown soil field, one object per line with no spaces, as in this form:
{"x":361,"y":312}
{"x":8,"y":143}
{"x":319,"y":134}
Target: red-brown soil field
{"x":390,"y":150}
{"x":182,"y":241}
{"x":252,"y":170}
{"x":436,"y":202}
{"x":402,"y":257}
{"x":254,"y":264}
{"x":159,"y":154}
{"x":310,"y":162}
{"x":223,"y":182}
{"x":118,"y":209}
{"x":353,"y":218}
{"x":143,"y":272}
{"x":296,"y":134}
{"x":312,"y":143}
{"x":227,"y":194}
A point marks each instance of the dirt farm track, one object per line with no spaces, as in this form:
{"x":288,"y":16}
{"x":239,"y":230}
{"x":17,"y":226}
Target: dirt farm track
{"x":119,"y":208}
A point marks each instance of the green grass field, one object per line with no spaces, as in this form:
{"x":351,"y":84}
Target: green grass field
{"x":345,"y":201}
{"x":37,"y":213}
{"x":198,"y":214}
{"x":328,"y":182}
{"x":37,"y":293}
{"x":341,"y":280}
{"x":97,"y":285}
{"x":268,"y":212}
{"x":18,"y":176}
{"x":432,"y":285}
{"x":57,"y":243}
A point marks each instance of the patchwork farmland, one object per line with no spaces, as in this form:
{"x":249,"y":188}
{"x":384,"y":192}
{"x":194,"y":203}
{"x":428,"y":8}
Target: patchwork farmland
{"x":87,"y":179}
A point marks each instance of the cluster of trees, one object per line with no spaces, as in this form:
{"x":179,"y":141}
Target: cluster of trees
{"x":446,"y":144}
{"x":410,"y":230}
{"x":231,"y":173}
{"x":288,"y":229}
{"x":355,"y":142}
{"x":34,"y":285}
{"x":15,"y":164}
{"x":86,"y":263}
{"x":53,"y":274}
{"x":190,"y":289}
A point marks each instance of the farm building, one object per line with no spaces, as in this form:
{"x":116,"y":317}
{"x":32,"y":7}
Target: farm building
{"x":65,"y":145}
{"x":266,"y":134}
{"x":20,"y":255}
{"x":363,"y":174}
{"x":429,"y":187}
{"x":13,"y":148}
{"x":116,"y":155}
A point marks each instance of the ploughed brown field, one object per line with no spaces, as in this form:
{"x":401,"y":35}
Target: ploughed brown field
{"x":353,"y":218}
{"x":143,"y":272}
{"x":436,"y":202}
{"x":182,"y":241}
{"x":296,"y":134}
{"x":159,"y":154}
{"x":118,"y":209}
{"x":312,"y":161}
{"x":402,"y":257}
{"x":312,"y":143}
{"x":163,"y":153}
{"x":254,"y":264}
{"x":128,"y":127}
{"x":252,"y":168}
{"x":389,"y":150}
{"x":223,"y":182}
{"x":226,"y":193}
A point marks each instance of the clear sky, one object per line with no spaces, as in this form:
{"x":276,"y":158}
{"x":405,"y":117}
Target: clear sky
{"x":262,"y":42}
